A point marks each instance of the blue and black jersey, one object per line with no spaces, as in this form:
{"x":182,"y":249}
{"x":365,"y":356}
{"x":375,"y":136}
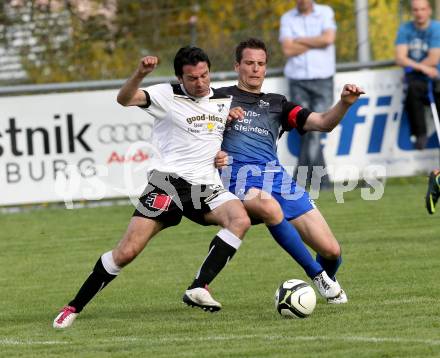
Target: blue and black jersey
{"x":252,"y":144}
{"x":253,"y":140}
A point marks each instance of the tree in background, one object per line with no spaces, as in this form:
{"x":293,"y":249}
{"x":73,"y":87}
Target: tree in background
{"x":383,"y":14}
{"x":70,"y":40}
{"x":221,"y":25}
{"x":76,"y":40}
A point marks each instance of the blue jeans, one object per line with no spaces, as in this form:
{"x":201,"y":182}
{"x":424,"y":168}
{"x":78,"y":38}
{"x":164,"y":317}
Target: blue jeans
{"x":316,"y":95}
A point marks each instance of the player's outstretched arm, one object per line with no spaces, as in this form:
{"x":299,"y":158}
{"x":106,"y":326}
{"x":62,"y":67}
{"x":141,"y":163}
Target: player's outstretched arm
{"x":130,"y":94}
{"x":326,"y":121}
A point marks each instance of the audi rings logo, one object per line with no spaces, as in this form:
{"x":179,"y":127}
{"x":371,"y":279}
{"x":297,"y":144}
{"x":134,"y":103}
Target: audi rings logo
{"x":124,"y":133}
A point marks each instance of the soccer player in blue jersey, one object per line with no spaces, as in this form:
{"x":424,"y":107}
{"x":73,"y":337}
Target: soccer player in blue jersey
{"x":254,"y":173}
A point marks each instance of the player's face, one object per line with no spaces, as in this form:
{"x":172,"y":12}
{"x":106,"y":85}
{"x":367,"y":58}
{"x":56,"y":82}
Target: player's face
{"x":196,"y":79}
{"x":251,"y":69}
{"x":421,"y":11}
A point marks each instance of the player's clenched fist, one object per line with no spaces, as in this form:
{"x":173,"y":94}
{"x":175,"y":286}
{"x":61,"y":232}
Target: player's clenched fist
{"x":148,"y":64}
{"x":221,"y":159}
{"x":350,"y":93}
{"x":235,"y":113}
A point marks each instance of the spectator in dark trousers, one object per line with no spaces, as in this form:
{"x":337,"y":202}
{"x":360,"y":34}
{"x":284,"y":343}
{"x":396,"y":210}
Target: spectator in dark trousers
{"x":418,"y":52}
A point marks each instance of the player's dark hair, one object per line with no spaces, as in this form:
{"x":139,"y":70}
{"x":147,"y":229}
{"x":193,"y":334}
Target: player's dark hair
{"x":250,"y":43}
{"x":189,"y":55}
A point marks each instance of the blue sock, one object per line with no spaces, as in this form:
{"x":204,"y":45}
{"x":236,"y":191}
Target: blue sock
{"x":330,"y":266}
{"x":288,"y":238}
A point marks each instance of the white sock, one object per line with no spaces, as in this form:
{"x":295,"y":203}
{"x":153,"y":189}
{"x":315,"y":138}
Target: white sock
{"x":230,"y":238}
{"x":109,"y":264}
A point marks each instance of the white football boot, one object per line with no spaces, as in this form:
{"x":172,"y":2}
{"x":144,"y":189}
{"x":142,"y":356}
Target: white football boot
{"x":339,"y":299}
{"x":326,"y":286}
{"x":65,"y":318}
{"x":200,"y":297}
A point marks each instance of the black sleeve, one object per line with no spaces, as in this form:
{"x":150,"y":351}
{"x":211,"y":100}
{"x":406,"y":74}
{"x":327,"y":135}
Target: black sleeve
{"x":220,"y":93}
{"x":294,"y":116}
{"x":147,"y":99}
{"x":223,"y":92}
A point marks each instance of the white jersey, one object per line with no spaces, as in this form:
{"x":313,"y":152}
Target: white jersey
{"x":187,"y":131}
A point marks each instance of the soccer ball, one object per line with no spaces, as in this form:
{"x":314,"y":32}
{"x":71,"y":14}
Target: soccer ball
{"x":295,"y":299}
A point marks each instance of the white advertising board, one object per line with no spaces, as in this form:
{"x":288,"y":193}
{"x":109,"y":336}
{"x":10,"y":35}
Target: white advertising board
{"x":373,"y":138}
{"x":71,"y":145}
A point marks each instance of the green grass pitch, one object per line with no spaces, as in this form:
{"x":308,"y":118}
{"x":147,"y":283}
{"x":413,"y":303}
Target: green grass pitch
{"x":391,"y":270}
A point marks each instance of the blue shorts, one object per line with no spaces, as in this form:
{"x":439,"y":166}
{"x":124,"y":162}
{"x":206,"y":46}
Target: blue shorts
{"x":293,"y":199}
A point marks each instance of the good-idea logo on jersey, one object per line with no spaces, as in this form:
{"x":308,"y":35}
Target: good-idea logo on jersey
{"x":206,"y":124}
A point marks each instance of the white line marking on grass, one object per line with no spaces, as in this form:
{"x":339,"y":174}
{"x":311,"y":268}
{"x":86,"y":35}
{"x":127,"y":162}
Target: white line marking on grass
{"x":434,"y":342}
{"x":369,"y":339}
{"x":279,"y":337}
{"x":410,"y":300}
{"x":18,"y":342}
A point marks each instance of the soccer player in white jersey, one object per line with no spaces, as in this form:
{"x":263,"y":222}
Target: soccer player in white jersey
{"x":188,"y":117}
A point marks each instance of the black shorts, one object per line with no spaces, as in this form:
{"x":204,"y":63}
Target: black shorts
{"x":168,"y":197}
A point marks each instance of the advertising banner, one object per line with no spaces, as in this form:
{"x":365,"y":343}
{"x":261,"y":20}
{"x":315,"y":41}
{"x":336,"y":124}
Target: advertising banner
{"x":85,"y":146}
{"x":71,"y":146}
{"x":374,"y":136}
